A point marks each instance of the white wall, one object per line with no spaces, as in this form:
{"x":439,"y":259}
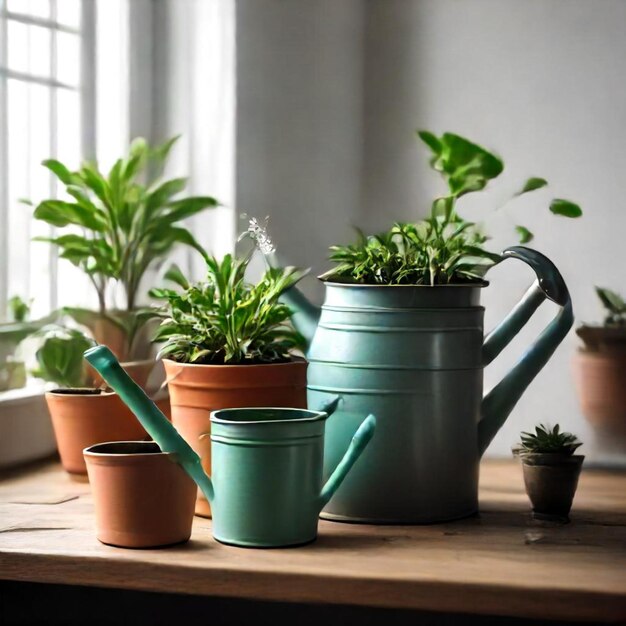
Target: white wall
{"x":299,"y":121}
{"x":329,"y":94}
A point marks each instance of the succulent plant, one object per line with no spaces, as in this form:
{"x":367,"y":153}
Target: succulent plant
{"x":548,"y":441}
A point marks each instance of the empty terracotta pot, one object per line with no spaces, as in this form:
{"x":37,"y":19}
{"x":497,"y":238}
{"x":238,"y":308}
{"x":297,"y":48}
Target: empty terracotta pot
{"x":196,"y":390}
{"x":142,"y":497}
{"x":600,"y":378}
{"x":84,"y":417}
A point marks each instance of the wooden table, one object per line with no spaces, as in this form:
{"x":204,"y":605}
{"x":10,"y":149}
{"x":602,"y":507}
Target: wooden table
{"x":499,"y":563}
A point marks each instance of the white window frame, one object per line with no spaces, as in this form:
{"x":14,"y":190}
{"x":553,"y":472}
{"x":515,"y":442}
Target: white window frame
{"x":86,"y":88}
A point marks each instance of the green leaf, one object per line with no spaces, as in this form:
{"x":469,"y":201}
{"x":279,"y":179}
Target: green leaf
{"x":525,"y":236}
{"x":175,"y":275}
{"x":430,"y":140}
{"x":60,"y":171}
{"x":611,"y":300}
{"x":531,"y":184}
{"x":59,"y":213}
{"x":566,"y":208}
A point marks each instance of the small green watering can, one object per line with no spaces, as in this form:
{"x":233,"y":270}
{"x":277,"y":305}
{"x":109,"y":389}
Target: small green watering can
{"x":266,"y":490}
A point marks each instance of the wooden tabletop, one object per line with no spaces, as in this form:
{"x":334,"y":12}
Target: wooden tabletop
{"x":498,"y":563}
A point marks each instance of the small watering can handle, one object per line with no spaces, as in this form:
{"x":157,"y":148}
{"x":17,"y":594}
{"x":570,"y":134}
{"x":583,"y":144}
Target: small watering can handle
{"x":359,"y":442}
{"x":151,"y":418}
{"x":499,"y":402}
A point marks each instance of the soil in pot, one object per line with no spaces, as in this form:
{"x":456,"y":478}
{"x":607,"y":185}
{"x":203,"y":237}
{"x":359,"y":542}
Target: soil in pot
{"x":142,"y":497}
{"x":551,"y":481}
{"x":84,"y":417}
{"x":196,"y":390}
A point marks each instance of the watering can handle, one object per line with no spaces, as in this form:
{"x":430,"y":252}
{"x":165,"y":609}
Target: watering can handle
{"x":151,"y":418}
{"x":499,"y":402}
{"x":359,"y":442}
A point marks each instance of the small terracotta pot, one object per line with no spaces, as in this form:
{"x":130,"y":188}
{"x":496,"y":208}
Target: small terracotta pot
{"x":84,"y":417}
{"x":142,"y":497}
{"x":600,"y":378}
{"x":139,"y":371}
{"x":196,"y":390}
{"x":551,"y":481}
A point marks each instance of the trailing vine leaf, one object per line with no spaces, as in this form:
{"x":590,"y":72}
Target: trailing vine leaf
{"x":525,"y":236}
{"x":531,"y":184}
{"x":566,"y":208}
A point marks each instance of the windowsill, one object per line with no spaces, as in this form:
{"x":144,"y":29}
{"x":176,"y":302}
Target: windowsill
{"x":32,"y":390}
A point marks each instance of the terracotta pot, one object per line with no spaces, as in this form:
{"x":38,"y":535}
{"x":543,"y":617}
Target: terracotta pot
{"x":196,"y":390}
{"x":601,"y":385}
{"x":84,"y":417}
{"x":551,"y":481}
{"x":139,"y":371}
{"x":142,"y":497}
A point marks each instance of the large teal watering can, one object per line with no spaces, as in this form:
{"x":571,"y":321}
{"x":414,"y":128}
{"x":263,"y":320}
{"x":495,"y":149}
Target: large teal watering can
{"x":266,"y":489}
{"x":414,"y":356}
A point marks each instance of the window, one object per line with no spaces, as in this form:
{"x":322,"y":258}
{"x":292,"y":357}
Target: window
{"x":43,"y":94}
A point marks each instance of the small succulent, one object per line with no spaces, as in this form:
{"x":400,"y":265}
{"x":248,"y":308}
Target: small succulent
{"x":547,"y":441}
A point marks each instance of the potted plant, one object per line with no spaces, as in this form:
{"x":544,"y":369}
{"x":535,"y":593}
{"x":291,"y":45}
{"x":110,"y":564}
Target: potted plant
{"x":82,"y":415}
{"x":401,"y":333}
{"x":600,"y":366}
{"x":116,"y":227}
{"x":228,"y":344}
{"x":551,"y":471}
{"x":12,"y":333}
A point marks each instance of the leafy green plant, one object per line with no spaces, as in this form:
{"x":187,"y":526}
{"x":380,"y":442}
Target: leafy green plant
{"x":226,"y":320}
{"x":548,"y":441}
{"x":60,"y":357}
{"x":444,"y":248}
{"x":614,"y":305}
{"x":18,"y":309}
{"x":117,"y":225}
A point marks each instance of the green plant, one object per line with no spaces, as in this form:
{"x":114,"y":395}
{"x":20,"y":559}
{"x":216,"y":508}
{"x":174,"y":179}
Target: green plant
{"x":614,"y":305}
{"x":444,"y":248}
{"x":548,"y":441}
{"x":226,"y":320}
{"x":18,"y":309}
{"x":60,"y":357}
{"x":120,"y":224}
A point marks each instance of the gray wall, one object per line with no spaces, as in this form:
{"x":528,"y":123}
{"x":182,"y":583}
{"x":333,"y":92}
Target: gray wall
{"x":329,"y":94}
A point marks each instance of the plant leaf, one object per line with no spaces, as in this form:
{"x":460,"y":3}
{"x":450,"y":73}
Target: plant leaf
{"x":566,"y":208}
{"x":525,"y":236}
{"x":531,"y":184}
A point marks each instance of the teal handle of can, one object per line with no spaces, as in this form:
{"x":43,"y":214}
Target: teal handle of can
{"x":151,"y":418}
{"x":357,"y":445}
{"x":500,"y":401}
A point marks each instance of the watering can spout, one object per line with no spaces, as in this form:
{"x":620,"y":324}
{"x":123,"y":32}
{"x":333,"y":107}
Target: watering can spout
{"x":359,"y":442}
{"x":305,"y":314}
{"x":151,"y":418}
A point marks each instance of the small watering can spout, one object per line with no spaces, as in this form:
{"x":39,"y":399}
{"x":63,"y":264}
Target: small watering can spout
{"x":359,"y":442}
{"x":151,"y":418}
{"x":305,"y":314}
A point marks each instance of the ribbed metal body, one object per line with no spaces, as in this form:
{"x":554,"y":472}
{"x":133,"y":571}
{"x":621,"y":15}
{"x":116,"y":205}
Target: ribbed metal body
{"x":413,"y":357}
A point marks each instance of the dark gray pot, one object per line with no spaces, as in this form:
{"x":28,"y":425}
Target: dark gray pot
{"x":551,"y":481}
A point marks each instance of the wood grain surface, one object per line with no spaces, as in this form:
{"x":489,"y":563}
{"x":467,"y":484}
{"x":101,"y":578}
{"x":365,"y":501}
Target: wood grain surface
{"x":498,"y":563}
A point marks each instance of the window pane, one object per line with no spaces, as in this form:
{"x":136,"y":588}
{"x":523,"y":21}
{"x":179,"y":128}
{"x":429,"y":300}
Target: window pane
{"x":68,"y":12}
{"x":68,"y":127}
{"x":38,"y":8}
{"x":68,"y":58}
{"x":39,"y":51}
{"x":17,"y":40}
{"x":40,"y":149}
